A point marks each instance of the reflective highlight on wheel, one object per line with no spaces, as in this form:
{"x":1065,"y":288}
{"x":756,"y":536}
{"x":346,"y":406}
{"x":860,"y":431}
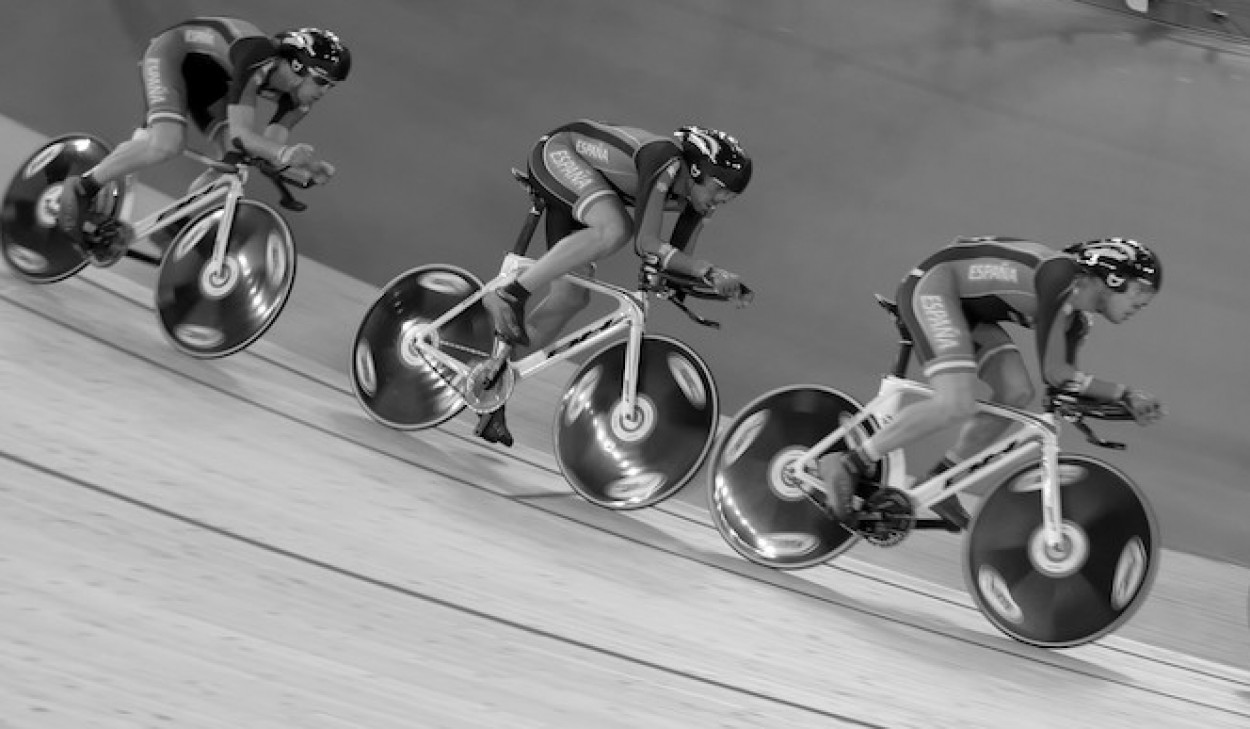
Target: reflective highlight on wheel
{"x":396,"y":375}
{"x":1084,"y":588}
{"x":628,"y":458}
{"x":208,"y":312}
{"x":754,"y":500}
{"x":31,"y":243}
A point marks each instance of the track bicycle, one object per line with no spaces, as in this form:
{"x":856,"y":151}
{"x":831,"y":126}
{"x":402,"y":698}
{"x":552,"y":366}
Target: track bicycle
{"x":638,"y":416}
{"x":1061,"y":552}
{"x":218,"y":287}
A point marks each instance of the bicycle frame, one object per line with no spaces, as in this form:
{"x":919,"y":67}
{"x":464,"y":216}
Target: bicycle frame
{"x":629,"y":317}
{"x":224,"y":192}
{"x":1036,"y":440}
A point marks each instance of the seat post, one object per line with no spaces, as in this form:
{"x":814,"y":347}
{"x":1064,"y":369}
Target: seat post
{"x":537,"y":206}
{"x":903,"y":358}
{"x":905,"y":342}
{"x":526,"y":235}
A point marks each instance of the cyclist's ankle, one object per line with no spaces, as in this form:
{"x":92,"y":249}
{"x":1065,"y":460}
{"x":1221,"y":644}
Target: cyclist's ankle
{"x":942,"y":466}
{"x":88,"y":186}
{"x":514,"y":293}
{"x":859,"y":462}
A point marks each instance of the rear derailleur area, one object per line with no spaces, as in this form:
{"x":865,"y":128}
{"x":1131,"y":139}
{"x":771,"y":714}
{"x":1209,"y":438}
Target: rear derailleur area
{"x":105,"y":240}
{"x":885,"y":516}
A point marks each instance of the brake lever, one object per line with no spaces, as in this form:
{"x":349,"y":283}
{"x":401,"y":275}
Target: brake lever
{"x":285,"y":198}
{"x":1071,"y":409}
{"x":1093,"y":437}
{"x":695,"y":317}
{"x":1077,"y":418}
{"x":281,"y":177}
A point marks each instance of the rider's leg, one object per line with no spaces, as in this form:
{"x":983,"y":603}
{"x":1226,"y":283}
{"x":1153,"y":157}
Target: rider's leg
{"x":215,"y":135}
{"x":163,"y":141}
{"x":930,"y":306}
{"x":607,"y":231}
{"x":1000,"y":366}
{"x":157,"y":143}
{"x":165,"y":94}
{"x":952,"y":403}
{"x":551,"y":315}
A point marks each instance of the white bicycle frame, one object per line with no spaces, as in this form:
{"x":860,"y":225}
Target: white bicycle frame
{"x":224,"y":192}
{"x":629,"y":316}
{"x":1036,"y":441}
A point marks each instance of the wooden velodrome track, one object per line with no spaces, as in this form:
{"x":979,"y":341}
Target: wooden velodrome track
{"x":233,"y":543}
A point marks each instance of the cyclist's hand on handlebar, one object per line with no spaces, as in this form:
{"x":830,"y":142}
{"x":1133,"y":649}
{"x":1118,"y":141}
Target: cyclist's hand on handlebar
{"x":1144,"y":407}
{"x":297,"y":155}
{"x":321,"y":171}
{"x":726,"y":283}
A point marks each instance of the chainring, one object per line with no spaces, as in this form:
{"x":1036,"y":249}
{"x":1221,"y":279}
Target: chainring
{"x":483,"y":396}
{"x":886,"y":517}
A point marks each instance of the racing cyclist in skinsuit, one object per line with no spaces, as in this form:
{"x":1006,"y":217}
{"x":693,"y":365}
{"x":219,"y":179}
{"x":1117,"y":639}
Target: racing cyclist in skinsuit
{"x":212,"y":72}
{"x":954,"y":304}
{"x":588,"y":173}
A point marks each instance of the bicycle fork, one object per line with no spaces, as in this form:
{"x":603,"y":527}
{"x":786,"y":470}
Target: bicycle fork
{"x":216,"y":262}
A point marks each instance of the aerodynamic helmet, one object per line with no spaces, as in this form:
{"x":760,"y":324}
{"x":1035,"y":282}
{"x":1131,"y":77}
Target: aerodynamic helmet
{"x":315,"y":51}
{"x":711,"y":152}
{"x":1116,"y":260}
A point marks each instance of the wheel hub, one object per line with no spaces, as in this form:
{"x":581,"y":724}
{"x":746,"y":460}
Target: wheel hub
{"x":415,"y":334}
{"x":217,"y":284}
{"x":1063,"y":559}
{"x":48,"y":206}
{"x":631,"y":426}
{"x":783,"y":477}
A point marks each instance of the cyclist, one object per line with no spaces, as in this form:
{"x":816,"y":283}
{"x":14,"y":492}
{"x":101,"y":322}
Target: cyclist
{"x":954,"y":304}
{"x":588,"y":173}
{"x":212,"y":71}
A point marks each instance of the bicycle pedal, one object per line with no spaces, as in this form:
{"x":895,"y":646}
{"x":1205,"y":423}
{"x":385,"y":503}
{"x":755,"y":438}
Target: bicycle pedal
{"x":489,"y":384}
{"x":492,"y":427}
{"x":106,"y":241}
{"x":888,"y":517}
{"x":820,"y":500}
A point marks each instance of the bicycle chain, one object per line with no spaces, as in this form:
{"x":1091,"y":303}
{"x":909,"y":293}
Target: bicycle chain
{"x":462,"y":391}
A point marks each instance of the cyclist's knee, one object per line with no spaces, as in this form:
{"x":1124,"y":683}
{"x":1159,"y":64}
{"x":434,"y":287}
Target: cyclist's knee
{"x":609,"y":228}
{"x":954,"y":397}
{"x":609,"y":239}
{"x":568,"y":297}
{"x":1009,"y":380}
{"x":1016,"y":393}
{"x":165,"y":141}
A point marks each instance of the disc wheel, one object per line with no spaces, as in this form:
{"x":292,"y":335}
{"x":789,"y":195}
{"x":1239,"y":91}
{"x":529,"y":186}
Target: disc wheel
{"x":32,"y":244}
{"x":207,"y":313}
{"x":395,"y":380}
{"x":1082,"y":590}
{"x":754,"y":501}
{"x":623,"y":458}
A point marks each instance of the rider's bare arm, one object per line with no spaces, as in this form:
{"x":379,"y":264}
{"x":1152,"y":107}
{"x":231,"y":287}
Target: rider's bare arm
{"x":277,"y":133}
{"x":677,"y":254}
{"x":1061,"y":330}
{"x":657,"y":174}
{"x":658,"y":167}
{"x":243,"y":135}
{"x":253,"y":60}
